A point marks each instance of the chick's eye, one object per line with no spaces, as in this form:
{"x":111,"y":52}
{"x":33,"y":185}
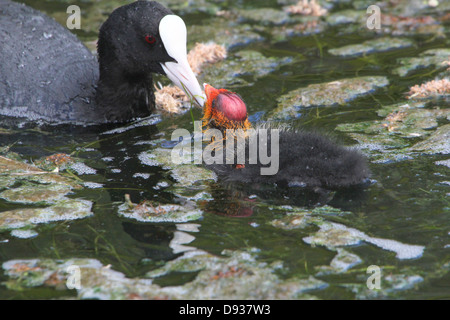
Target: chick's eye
{"x":150,"y":39}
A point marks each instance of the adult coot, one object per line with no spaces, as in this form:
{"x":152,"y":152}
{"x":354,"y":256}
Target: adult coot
{"x":305,"y":159}
{"x":47,"y":74}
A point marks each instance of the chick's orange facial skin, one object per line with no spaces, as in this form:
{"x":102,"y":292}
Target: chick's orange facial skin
{"x":224,"y":110}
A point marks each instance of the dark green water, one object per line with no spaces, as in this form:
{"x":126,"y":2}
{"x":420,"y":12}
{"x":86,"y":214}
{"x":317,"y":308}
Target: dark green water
{"x":409,"y":204}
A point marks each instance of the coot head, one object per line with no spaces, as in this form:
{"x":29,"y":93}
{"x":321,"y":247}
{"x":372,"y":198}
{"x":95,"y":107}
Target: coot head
{"x":135,"y":41}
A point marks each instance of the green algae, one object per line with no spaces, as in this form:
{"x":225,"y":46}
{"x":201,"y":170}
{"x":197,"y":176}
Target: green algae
{"x":437,"y":143}
{"x":32,"y":193}
{"x":332,"y":235}
{"x":240,"y":276}
{"x":236,"y":275}
{"x":265,"y":16}
{"x":333,"y":93}
{"x":306,"y":26}
{"x":429,"y":58}
{"x":24,"y":233}
{"x":372,"y":46}
{"x":185,"y":173}
{"x":16,"y":171}
{"x":406,"y":122}
{"x":242,"y":68}
{"x":299,"y":218}
{"x":28,"y":185}
{"x":228,"y":35}
{"x":62,"y":210}
{"x":341,"y":263}
{"x":231,"y":275}
{"x":189,"y":187}
{"x":291,"y":221}
{"x":395,"y":137}
{"x":336,"y":235}
{"x":346,"y":17}
{"x":190,"y":175}
{"x":157,"y":212}
{"x":390,"y":285}
{"x":192,"y":6}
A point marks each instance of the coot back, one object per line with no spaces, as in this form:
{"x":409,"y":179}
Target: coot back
{"x":45,"y":71}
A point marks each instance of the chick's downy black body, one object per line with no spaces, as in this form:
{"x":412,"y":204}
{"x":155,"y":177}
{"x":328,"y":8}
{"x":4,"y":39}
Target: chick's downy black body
{"x":305,"y":159}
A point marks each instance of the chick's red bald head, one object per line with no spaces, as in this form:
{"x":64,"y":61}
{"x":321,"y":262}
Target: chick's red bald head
{"x":225,"y":108}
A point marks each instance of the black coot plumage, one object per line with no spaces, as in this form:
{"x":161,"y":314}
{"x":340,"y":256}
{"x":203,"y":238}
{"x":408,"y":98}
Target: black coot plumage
{"x":306,"y":159}
{"x":47,"y":74}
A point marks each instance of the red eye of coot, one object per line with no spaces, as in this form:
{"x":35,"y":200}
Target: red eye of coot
{"x":150,"y":39}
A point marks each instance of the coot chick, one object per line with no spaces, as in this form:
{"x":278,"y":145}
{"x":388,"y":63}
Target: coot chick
{"x":305,"y":159}
{"x":47,"y":74}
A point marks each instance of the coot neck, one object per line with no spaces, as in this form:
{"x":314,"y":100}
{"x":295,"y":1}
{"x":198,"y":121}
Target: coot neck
{"x":123,"y":96}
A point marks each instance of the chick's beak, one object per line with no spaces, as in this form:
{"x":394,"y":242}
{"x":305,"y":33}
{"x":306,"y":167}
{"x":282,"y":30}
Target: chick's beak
{"x":211,"y":93}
